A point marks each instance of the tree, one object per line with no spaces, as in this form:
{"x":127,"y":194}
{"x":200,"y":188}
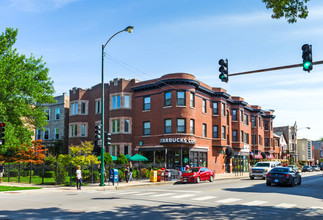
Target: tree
{"x":82,"y":155}
{"x":34,"y":153}
{"x":290,"y":9}
{"x":25,"y":85}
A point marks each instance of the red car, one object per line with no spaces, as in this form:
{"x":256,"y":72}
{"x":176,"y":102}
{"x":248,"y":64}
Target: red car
{"x":197,"y":174}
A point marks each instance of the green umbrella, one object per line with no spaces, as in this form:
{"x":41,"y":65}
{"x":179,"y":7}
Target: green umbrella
{"x":138,"y":157}
{"x":127,"y":156}
{"x":113,"y":158}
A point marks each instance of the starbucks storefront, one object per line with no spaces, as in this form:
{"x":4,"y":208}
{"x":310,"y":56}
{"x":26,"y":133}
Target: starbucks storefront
{"x":176,"y":153}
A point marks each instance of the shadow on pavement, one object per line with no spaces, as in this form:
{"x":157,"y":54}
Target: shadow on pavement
{"x":311,"y":187}
{"x":167,"y":211}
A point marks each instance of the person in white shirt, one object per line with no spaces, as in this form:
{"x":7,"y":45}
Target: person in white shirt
{"x":78,"y":177}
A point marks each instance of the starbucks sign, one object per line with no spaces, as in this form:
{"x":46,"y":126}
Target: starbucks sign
{"x":177,"y":141}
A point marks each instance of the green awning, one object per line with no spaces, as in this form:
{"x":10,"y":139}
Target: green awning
{"x":138,"y":157}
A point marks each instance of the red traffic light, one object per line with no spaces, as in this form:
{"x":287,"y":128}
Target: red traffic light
{"x":2,"y":124}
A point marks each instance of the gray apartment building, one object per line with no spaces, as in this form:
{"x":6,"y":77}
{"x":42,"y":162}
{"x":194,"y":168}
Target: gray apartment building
{"x":290,"y":133}
{"x":57,"y":117}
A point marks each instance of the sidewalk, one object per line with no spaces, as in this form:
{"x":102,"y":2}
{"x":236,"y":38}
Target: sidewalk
{"x":121,"y":185}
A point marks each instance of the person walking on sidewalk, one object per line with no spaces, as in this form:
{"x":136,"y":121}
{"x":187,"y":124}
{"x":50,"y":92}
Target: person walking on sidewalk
{"x":126,"y":172}
{"x":130,"y":172}
{"x":1,"y":171}
{"x":78,"y":177}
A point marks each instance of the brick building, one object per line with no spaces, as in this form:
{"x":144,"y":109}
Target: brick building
{"x":174,"y":120}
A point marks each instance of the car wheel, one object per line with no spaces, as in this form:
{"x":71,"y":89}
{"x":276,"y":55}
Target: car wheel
{"x":268,"y":183}
{"x":211,"y":178}
{"x":300,"y":181}
{"x":198,"y":179}
{"x":292,"y":184}
{"x":252,"y":178}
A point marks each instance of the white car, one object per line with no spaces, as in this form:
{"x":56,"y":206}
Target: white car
{"x":262,"y":168}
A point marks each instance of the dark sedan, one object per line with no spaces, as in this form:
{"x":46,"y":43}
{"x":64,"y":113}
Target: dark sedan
{"x":307,"y":168}
{"x":284,"y":176}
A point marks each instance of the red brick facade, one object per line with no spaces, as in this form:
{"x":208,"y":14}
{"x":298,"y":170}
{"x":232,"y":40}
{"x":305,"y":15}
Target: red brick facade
{"x":161,"y":116}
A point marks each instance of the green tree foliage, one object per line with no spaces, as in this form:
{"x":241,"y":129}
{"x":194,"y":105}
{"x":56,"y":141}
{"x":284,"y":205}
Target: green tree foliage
{"x":122,"y":159}
{"x":82,"y":155}
{"x":107,"y":158}
{"x":290,"y":9}
{"x":25,"y":84}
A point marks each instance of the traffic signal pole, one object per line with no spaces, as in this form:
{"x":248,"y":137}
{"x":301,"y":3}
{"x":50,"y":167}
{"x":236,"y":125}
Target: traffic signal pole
{"x":275,"y":68}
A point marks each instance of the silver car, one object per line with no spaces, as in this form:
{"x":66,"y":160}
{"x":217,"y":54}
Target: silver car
{"x":315,"y":168}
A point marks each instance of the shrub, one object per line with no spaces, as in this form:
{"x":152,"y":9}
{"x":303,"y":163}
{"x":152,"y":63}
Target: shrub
{"x":13,"y":173}
{"x":121,"y":175}
{"x":61,"y":174}
{"x":134,"y":173}
{"x":49,"y":174}
{"x":122,"y":159}
{"x":26,"y":173}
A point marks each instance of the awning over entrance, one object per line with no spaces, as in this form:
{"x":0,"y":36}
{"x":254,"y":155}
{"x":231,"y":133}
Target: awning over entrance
{"x":269,"y":156}
{"x":257,"y":155}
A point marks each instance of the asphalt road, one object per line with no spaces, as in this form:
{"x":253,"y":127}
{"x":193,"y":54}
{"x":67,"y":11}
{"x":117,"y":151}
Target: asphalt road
{"x":225,"y":199}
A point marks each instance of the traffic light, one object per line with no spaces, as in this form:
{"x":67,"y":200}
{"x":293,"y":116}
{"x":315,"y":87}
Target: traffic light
{"x":2,"y":125}
{"x":107,"y":137}
{"x":98,"y":132}
{"x":224,"y":73}
{"x":307,"y":57}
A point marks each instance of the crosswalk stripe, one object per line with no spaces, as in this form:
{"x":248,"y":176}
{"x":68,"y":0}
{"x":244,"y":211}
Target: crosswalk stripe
{"x":145,"y":194}
{"x":163,"y":194}
{"x":285,"y":205}
{"x":126,"y":193}
{"x":204,"y":198}
{"x":183,"y":196}
{"x":228,"y":200}
{"x":256,"y":202}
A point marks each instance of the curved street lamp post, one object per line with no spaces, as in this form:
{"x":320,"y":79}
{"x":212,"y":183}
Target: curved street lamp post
{"x":129,"y":29}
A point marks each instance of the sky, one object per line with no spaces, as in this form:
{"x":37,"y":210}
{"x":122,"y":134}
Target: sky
{"x":173,"y":36}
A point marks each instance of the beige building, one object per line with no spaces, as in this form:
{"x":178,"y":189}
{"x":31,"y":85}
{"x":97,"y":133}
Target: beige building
{"x":57,"y":118}
{"x":305,"y":151}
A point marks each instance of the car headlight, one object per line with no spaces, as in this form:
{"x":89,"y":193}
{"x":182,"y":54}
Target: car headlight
{"x":266,"y":170}
{"x":193,"y":175}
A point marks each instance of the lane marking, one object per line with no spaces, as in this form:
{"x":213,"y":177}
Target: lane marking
{"x":145,"y":194}
{"x":164,"y":194}
{"x":183,"y":196}
{"x":204,"y":198}
{"x":256,"y":202}
{"x":285,"y":205}
{"x":126,"y":193}
{"x":228,"y":200}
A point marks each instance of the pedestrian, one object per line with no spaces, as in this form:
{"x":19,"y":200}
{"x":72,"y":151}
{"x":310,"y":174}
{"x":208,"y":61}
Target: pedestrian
{"x":130,"y":172}
{"x":187,"y":167}
{"x":126,"y":172}
{"x":78,"y":177}
{"x":1,"y":171}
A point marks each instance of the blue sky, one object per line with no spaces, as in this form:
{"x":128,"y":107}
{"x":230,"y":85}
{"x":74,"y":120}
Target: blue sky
{"x":178,"y":36}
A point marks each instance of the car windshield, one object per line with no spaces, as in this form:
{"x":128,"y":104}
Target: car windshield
{"x":193,"y":170}
{"x":279,"y":170}
{"x":262,"y":165}
{"x":306,"y":166}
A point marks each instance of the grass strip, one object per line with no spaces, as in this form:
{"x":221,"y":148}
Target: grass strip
{"x":16,"y":188}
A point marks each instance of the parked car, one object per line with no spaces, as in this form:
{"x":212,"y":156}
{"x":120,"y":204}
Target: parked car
{"x":315,"y":168}
{"x":284,"y":176}
{"x":262,"y":168}
{"x":197,"y":174}
{"x":307,"y":168}
{"x":294,"y":167}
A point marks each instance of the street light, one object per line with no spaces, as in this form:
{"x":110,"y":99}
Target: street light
{"x":129,"y":29}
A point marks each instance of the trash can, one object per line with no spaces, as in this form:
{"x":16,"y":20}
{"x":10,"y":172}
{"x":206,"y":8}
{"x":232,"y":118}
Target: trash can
{"x":114,"y":176}
{"x":153,"y":176}
{"x":159,"y":177}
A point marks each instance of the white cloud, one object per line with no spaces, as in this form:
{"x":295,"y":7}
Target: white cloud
{"x":39,"y":5}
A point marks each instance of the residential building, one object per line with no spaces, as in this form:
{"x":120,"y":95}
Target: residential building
{"x":174,"y":120}
{"x":305,"y":151}
{"x":57,"y":126}
{"x":318,"y":151}
{"x":280,"y":145}
{"x":290,"y":133}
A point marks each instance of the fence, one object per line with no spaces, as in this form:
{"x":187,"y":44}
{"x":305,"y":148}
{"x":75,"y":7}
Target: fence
{"x":57,"y":173}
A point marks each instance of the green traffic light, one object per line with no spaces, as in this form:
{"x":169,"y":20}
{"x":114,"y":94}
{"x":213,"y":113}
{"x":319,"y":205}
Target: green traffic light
{"x":307,"y":65}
